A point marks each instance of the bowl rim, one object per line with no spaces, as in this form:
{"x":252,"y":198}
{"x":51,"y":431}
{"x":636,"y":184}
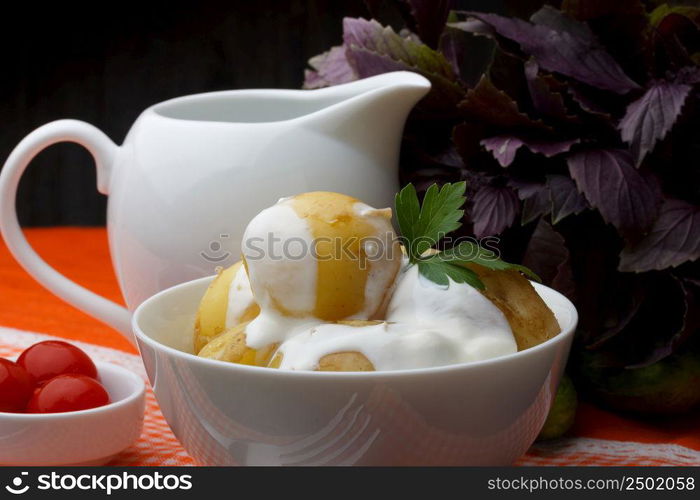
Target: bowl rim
{"x":141,"y":336}
{"x":136,"y":382}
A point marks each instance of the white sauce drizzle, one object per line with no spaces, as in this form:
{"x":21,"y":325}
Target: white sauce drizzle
{"x":240,"y":297}
{"x":273,"y":233}
{"x":381,"y":272}
{"x":425,"y":324}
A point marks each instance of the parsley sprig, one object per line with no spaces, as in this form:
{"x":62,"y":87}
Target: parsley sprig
{"x":423,"y":225}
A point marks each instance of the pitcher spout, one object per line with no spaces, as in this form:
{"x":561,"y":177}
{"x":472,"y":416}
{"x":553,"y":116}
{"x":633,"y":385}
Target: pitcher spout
{"x":392,"y":93}
{"x":396,"y":93}
{"x":370,"y":114}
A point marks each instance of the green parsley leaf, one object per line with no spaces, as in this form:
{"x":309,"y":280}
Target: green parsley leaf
{"x":468,"y":251}
{"x":407,"y":208}
{"x":422,"y":226}
{"x":438,"y":270}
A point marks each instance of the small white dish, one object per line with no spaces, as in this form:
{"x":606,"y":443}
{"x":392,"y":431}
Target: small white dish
{"x":482,"y":413}
{"x":87,"y":437}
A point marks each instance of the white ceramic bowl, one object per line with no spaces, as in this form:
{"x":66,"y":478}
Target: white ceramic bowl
{"x":483,"y":413}
{"x":87,"y":437}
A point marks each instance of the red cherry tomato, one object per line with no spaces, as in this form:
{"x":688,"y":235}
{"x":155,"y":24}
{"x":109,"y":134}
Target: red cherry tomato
{"x":68,"y":393}
{"x":45,"y":360}
{"x":16,"y":386}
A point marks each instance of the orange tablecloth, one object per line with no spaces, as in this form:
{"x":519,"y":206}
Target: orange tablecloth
{"x":598,"y":437}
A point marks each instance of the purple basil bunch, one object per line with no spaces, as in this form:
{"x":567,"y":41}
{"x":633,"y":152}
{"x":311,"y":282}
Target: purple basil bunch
{"x":577,"y":132}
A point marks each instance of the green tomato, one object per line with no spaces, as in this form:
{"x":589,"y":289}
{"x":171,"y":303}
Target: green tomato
{"x":667,"y":387}
{"x":561,"y":415}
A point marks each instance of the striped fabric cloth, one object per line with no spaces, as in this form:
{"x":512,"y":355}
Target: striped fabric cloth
{"x":599,"y":438}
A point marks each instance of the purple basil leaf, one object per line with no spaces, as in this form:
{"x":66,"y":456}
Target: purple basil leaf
{"x":535,"y":197}
{"x":588,"y":103}
{"x":584,"y":10}
{"x":673,"y":240}
{"x":548,"y":257}
{"x":452,"y":47}
{"x":689,"y":75}
{"x":367,"y":63}
{"x":383,"y":41}
{"x":475,"y":182}
{"x":477,"y":27}
{"x":556,"y":20}
{"x":474,"y":25}
{"x":545,"y":101}
{"x":690,"y":323}
{"x":373,"y":49}
{"x":486,"y":104}
{"x":626,"y":303}
{"x":550,"y":148}
{"x":504,"y":147}
{"x":645,"y":318}
{"x":610,"y":183}
{"x":525,"y":188}
{"x":329,"y":68}
{"x":537,"y":205}
{"x":559,"y":44}
{"x":448,"y":157}
{"x":494,"y":210}
{"x":622,"y":26}
{"x":650,"y":117}
{"x":465,"y":137}
{"x":566,"y":199}
{"x":423,"y":178}
{"x":429,"y":17}
{"x":469,"y":56}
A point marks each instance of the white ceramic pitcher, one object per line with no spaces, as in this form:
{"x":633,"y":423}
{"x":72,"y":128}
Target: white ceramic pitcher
{"x":194,"y":170}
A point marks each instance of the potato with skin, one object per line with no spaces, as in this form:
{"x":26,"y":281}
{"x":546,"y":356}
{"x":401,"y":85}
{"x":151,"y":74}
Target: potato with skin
{"x":231,"y":346}
{"x":345,"y":362}
{"x":531,"y":321}
{"x":349,"y":361}
{"x":210,"y":321}
{"x":529,"y":317}
{"x":227,"y":346}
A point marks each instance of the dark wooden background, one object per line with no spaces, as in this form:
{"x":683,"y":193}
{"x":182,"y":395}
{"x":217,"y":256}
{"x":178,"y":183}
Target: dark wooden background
{"x":104,"y":62}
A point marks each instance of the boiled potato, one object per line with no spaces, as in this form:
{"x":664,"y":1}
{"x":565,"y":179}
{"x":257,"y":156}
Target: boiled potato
{"x":345,"y":362}
{"x":350,"y":361}
{"x":529,"y":317}
{"x":531,"y":321}
{"x":211,"y":315}
{"x":231,"y":346}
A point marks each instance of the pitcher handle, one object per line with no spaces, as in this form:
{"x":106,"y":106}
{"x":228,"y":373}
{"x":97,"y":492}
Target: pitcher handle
{"x":104,"y":151}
